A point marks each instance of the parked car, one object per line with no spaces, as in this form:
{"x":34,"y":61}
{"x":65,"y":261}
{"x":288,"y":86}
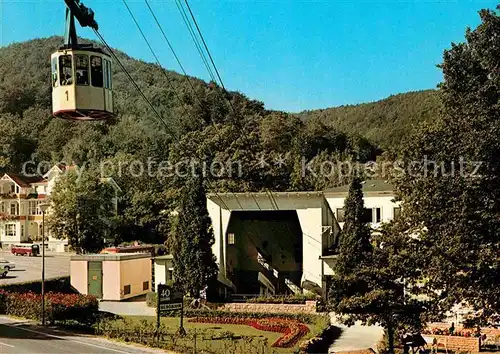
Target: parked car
{"x":26,"y":249}
{"x":6,"y":264}
{"x":3,"y":272}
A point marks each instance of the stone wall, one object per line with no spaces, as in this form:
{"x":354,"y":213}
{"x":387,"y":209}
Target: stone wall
{"x":308,"y":307}
{"x":456,"y":343}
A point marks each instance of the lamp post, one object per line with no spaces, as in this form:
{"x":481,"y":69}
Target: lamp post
{"x":43,"y":207}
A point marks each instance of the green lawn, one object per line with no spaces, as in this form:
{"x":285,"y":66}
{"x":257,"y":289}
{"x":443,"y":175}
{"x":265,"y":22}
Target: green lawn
{"x":253,"y":341}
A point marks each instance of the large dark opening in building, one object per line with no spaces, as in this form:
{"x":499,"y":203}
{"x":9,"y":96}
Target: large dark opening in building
{"x":264,"y":251}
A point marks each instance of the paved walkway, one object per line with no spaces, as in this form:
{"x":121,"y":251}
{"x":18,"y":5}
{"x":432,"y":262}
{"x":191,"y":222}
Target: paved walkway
{"x":127,"y":308}
{"x":356,"y":337}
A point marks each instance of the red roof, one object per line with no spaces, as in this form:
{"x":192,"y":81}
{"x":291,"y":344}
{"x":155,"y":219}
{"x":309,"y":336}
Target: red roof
{"x":24,"y":181}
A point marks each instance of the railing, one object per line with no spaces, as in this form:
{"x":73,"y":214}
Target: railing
{"x":264,"y":280}
{"x":262,"y":261}
{"x":294,"y":288}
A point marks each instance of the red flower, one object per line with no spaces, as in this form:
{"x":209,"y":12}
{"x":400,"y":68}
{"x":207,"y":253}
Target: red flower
{"x":292,"y":330}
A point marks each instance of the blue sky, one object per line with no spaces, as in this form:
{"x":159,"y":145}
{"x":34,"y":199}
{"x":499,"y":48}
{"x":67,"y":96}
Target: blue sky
{"x":292,"y":55}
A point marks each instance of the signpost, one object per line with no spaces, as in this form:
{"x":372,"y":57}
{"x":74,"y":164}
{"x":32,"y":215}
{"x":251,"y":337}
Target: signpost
{"x":169,"y":300}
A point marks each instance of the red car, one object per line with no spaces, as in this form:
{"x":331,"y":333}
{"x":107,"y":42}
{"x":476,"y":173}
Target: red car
{"x":28,"y":250}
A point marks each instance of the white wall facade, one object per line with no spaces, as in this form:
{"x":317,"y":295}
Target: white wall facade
{"x":314,"y":214}
{"x":162,"y":269}
{"x":373,"y":200}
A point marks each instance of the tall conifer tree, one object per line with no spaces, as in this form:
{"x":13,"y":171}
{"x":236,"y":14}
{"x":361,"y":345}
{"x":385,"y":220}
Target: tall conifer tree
{"x":194,"y":262}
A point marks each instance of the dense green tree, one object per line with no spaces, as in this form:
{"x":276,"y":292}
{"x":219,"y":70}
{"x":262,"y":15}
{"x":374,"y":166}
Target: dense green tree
{"x":451,"y":196}
{"x":384,"y":122}
{"x":370,"y":273}
{"x":81,"y":210}
{"x":191,"y":245}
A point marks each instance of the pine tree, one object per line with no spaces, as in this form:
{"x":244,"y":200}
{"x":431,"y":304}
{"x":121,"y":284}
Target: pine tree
{"x":368,"y":284}
{"x":355,"y":247}
{"x":194,"y":262}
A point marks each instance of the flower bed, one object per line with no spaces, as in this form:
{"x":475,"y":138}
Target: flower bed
{"x":59,"y":307}
{"x":292,"y":330}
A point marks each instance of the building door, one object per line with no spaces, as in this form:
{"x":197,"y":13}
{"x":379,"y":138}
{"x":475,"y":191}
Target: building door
{"x":95,"y":279}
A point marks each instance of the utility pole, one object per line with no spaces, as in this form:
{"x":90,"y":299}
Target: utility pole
{"x":43,"y":208}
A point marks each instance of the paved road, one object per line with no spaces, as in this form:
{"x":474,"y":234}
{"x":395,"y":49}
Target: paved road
{"x":30,"y":268}
{"x":22,"y":337}
{"x":356,"y":337}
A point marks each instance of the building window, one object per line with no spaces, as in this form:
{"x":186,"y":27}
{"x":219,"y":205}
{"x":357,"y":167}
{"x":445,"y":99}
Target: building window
{"x":340,"y":214}
{"x":14,"y":209}
{"x":126,"y":290}
{"x":145,"y":285}
{"x":368,"y":215}
{"x":107,"y":74}
{"x":66,"y":70}
{"x":10,"y":230}
{"x":12,"y":188}
{"x":22,"y":230}
{"x":54,"y":72}
{"x":17,"y":189}
{"x":33,"y":207}
{"x":96,"y":71}
{"x":230,"y":239}
{"x":82,"y":69}
{"x":378,"y":215}
{"x":396,"y":212}
{"x":2,"y":207}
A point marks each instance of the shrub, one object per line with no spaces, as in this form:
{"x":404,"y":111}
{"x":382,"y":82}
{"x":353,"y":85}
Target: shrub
{"x":59,"y":307}
{"x":151,"y":299}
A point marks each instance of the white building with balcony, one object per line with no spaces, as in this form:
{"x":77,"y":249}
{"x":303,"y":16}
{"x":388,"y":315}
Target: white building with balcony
{"x":20,"y":215}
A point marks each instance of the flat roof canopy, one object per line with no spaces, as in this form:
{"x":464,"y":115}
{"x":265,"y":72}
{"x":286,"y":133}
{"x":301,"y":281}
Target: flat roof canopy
{"x":268,"y":200}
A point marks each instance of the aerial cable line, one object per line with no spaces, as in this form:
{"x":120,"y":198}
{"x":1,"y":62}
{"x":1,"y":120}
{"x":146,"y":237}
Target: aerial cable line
{"x":205,"y":44}
{"x":152,"y":51}
{"x":208,"y":52}
{"x":171,"y":48}
{"x":133,"y":81}
{"x":195,"y":39}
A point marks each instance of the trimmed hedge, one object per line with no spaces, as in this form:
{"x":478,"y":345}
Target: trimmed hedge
{"x":59,"y":285}
{"x":59,"y":307}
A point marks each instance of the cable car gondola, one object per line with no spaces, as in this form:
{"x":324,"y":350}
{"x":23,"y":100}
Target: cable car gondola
{"x":81,"y":74}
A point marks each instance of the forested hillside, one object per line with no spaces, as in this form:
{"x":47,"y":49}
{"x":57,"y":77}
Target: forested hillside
{"x":267,"y":150}
{"x":386,"y":122}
